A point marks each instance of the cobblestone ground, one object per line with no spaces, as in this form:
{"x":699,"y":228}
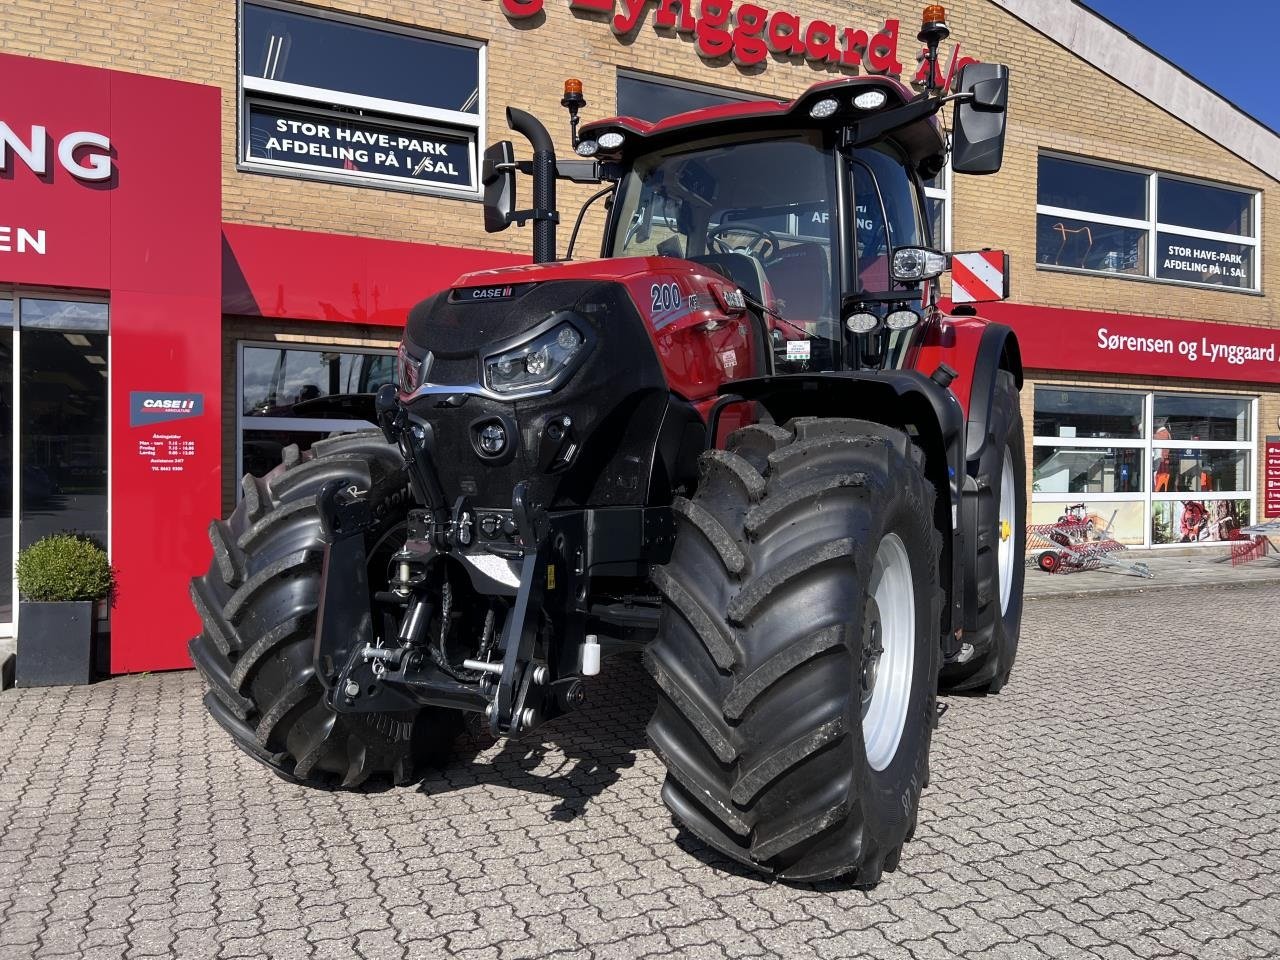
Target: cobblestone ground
{"x":1120,"y":799}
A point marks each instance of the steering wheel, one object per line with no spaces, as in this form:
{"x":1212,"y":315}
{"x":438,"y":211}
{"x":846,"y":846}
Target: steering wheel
{"x":759,"y":237}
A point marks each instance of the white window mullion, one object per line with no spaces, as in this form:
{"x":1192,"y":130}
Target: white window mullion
{"x":1149,"y":470}
{"x":393,"y":108}
{"x":1206,"y":234}
{"x":1153,"y":239}
{"x":1105,"y":218}
{"x":1095,"y":442}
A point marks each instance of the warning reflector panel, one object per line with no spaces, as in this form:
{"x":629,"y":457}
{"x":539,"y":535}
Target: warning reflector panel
{"x":980,"y":276}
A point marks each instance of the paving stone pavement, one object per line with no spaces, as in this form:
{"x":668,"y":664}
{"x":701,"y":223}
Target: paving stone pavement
{"x":1120,"y":799}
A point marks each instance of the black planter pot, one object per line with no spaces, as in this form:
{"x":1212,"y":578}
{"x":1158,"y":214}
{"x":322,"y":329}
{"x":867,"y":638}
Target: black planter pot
{"x":55,"y":643}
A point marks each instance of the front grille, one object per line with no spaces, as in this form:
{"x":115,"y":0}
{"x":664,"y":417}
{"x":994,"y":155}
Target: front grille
{"x":459,"y":371}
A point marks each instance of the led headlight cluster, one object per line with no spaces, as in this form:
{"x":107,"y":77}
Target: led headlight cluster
{"x":535,"y":365}
{"x":408,"y":369}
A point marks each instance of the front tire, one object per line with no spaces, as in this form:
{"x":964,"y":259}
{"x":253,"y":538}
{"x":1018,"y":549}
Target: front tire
{"x":790,"y":744}
{"x":257,"y":604}
{"x":1000,"y":563}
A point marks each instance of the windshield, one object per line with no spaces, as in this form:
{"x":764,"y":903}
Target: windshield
{"x":760,"y":212}
{"x":763,"y":213}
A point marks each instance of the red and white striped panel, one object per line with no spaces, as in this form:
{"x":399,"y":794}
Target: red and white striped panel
{"x":979,"y":277}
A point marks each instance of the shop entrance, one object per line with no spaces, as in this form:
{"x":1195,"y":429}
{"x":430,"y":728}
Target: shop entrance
{"x":54,"y":368}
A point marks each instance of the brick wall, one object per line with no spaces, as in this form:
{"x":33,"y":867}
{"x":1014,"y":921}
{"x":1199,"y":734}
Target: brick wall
{"x":1058,"y":102}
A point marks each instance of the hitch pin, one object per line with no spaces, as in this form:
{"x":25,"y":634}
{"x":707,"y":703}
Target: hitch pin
{"x":483,"y":666}
{"x":371,"y":652}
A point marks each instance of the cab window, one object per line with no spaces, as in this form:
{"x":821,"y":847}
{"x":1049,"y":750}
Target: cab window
{"x":887,"y":211}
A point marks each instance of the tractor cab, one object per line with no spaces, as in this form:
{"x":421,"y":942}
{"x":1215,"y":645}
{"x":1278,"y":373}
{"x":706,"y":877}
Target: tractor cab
{"x":813,"y":208}
{"x":802,"y":225}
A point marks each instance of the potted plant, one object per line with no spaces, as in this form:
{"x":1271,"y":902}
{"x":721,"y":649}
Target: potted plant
{"x":61,"y":580}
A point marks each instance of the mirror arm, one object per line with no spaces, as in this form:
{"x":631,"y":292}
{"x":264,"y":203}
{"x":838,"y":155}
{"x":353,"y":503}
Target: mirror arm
{"x":521,"y":217}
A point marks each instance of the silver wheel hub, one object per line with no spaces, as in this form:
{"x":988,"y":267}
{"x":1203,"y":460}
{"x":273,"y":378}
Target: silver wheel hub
{"x":888,"y":654}
{"x":1004,"y":549}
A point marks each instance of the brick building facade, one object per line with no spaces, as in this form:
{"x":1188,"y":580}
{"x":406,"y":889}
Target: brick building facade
{"x":1123,"y":180}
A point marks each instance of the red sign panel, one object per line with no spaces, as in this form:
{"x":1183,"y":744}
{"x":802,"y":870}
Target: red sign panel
{"x":111,"y":182}
{"x":1272,"y":486}
{"x":1083,"y":340}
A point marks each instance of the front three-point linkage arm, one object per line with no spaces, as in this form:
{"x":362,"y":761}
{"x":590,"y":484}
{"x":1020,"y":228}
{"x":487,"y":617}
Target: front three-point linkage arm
{"x":511,"y":709}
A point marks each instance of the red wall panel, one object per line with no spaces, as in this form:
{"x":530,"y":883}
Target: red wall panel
{"x":148,"y":239}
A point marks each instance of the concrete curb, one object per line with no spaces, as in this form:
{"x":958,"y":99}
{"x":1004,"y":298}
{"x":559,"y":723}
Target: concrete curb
{"x":1149,"y":587}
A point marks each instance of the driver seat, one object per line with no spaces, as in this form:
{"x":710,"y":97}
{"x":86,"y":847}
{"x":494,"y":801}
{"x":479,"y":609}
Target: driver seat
{"x":801,"y":281}
{"x":740,"y":269}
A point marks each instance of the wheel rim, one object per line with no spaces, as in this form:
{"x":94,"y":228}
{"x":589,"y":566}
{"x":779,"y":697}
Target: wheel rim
{"x":889,"y":652}
{"x":1004,"y":554}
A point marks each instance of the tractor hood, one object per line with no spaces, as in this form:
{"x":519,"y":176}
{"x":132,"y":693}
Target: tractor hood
{"x":680,"y":306}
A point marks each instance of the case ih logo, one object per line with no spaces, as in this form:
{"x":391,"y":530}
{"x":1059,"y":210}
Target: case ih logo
{"x":490,"y":293}
{"x":147,"y":408}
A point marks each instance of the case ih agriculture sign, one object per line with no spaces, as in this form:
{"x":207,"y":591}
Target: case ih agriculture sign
{"x":748,"y":33}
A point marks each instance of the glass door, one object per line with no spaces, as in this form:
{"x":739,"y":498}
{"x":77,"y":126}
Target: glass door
{"x":53,"y":427}
{"x":63,"y":438}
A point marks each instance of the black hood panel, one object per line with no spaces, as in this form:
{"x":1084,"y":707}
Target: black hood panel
{"x":468,"y":321}
{"x":616,"y":399}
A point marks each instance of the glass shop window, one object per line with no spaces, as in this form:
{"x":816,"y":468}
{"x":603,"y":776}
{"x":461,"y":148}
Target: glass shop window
{"x":1109,"y":219}
{"x":276,"y":384}
{"x":334,"y":97}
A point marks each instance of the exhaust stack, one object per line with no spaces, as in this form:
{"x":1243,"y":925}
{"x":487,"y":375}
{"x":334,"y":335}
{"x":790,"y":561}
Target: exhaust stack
{"x":544,"y":213}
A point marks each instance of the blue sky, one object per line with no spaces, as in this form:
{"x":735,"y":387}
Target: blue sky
{"x":1228,"y":45}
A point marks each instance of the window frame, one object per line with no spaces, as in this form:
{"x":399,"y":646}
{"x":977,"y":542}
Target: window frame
{"x":317,"y":425}
{"x":1149,"y":447}
{"x":1152,"y":226}
{"x":320,"y":101}
{"x":943,"y":241}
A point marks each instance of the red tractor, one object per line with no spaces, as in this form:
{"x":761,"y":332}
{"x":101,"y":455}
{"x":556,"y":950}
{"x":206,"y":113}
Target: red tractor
{"x":745,"y":441}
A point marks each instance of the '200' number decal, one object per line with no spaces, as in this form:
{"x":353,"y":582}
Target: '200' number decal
{"x":666,"y":296}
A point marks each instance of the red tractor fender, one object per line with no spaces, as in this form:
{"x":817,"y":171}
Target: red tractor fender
{"x":975,"y":349}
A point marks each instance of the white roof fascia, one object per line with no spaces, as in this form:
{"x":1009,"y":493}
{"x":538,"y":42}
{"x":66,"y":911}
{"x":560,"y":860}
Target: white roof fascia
{"x":1107,"y":47}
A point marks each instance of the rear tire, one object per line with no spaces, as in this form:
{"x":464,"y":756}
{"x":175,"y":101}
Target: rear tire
{"x":1000,"y":564}
{"x":796,"y":537}
{"x":258,"y":607}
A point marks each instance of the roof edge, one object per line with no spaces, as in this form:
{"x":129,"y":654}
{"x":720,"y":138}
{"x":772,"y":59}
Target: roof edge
{"x":1098,"y":41}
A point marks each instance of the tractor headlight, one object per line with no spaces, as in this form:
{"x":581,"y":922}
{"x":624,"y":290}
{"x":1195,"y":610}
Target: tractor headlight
{"x":408,"y":369}
{"x":537,"y":365}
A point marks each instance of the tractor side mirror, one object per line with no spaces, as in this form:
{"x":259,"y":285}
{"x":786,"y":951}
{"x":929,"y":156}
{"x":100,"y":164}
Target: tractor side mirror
{"x":498,"y":175}
{"x":978,"y":138}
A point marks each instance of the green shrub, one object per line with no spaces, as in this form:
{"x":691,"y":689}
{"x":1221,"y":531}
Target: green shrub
{"x":65,"y":566}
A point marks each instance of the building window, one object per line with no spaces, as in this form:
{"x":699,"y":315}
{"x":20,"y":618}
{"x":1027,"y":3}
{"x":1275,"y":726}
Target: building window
{"x":937,"y":198}
{"x":1148,"y":469}
{"x":1117,"y":220}
{"x":274,"y":385}
{"x":334,"y":97}
{"x":656,"y":98}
